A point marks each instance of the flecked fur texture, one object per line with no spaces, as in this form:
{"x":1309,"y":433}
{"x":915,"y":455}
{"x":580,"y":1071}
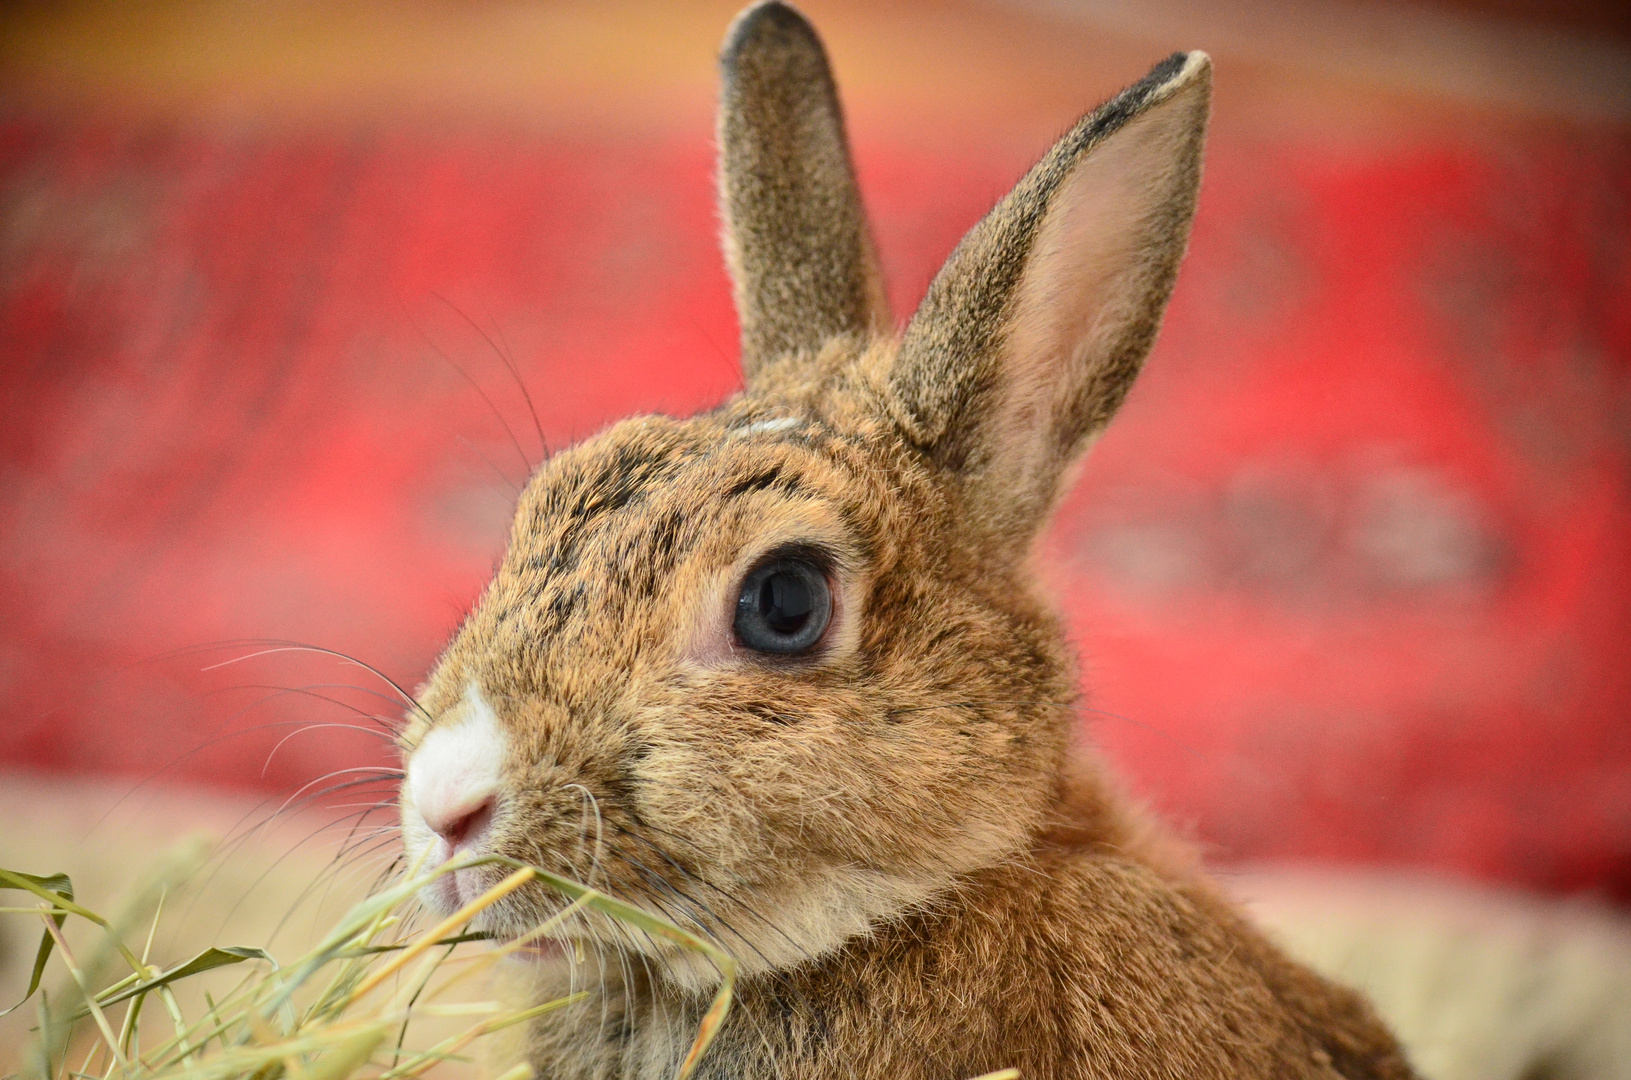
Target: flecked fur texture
{"x":921,"y":874}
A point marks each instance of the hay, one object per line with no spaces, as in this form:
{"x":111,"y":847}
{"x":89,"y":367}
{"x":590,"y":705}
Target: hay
{"x":345,"y":1008}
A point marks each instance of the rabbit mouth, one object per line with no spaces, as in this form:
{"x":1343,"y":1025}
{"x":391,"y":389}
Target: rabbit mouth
{"x":546,"y":951}
{"x":460,"y":887}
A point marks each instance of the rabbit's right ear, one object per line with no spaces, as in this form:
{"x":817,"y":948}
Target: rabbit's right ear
{"x":796,"y":242}
{"x":1032,"y":333}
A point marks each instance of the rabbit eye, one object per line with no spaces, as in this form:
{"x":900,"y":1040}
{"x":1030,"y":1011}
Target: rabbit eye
{"x":784,"y":607}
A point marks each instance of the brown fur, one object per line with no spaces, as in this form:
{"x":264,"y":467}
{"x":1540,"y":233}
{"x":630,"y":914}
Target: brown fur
{"x":920,"y":875}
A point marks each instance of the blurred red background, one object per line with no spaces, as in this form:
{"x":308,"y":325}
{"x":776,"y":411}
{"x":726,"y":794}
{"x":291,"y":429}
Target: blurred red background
{"x":1351,"y":574}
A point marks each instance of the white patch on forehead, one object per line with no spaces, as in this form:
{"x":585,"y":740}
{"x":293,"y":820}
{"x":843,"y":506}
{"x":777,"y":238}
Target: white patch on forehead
{"x":458,"y":766}
{"x":781,"y":423}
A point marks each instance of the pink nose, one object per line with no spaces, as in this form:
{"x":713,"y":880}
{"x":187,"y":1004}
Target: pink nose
{"x":455,"y":775}
{"x":461,"y":825}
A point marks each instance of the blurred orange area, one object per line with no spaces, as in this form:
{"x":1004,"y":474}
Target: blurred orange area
{"x":1351,"y":575}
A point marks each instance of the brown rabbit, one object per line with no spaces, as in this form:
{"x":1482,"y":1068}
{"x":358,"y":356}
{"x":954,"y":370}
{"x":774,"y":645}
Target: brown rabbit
{"x":780,"y":672}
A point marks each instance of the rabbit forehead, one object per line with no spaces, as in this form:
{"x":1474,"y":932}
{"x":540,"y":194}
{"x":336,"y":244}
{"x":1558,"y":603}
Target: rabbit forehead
{"x":617,"y":540}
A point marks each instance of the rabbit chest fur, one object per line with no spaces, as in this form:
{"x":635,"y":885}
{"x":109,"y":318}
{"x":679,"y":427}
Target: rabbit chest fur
{"x":779,"y":673}
{"x":1159,"y":983}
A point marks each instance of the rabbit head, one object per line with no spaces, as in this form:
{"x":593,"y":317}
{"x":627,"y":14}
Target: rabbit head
{"x":778,"y":672}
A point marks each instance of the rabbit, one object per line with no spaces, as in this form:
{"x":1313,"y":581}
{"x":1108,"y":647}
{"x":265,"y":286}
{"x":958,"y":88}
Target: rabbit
{"x":780,"y":672}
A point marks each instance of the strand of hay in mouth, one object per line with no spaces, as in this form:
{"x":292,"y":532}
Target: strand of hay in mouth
{"x":341,"y":1010}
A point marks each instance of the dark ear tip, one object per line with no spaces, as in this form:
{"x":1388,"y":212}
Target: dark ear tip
{"x":769,"y":22}
{"x":1178,"y":70}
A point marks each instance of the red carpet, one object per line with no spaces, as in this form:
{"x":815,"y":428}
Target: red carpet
{"x":1352,"y":574}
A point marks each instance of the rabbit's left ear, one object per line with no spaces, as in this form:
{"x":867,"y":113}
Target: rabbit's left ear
{"x":1032,"y":333}
{"x":800,"y":256}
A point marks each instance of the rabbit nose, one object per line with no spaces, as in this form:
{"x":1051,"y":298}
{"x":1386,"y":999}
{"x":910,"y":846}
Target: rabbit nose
{"x":460,"y":824}
{"x":455,"y":772}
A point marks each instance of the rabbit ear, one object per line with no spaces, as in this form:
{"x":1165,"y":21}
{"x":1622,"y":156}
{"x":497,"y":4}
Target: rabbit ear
{"x":796,"y":242}
{"x":1032,"y":333}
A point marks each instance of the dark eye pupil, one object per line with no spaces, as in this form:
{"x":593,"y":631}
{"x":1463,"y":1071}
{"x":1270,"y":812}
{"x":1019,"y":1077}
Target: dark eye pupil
{"x":784,"y":607}
{"x":784,"y":601}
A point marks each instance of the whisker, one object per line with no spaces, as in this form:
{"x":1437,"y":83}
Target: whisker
{"x":593,"y":805}
{"x":304,"y":893}
{"x":198,"y":748}
{"x":474,"y":385}
{"x":313,"y":727}
{"x":491,"y":464}
{"x":507,"y":354}
{"x":274,"y":645}
{"x":706,"y":883}
{"x":378,"y":775}
{"x":310,"y":690}
{"x":509,"y":363}
{"x":686,"y":898}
